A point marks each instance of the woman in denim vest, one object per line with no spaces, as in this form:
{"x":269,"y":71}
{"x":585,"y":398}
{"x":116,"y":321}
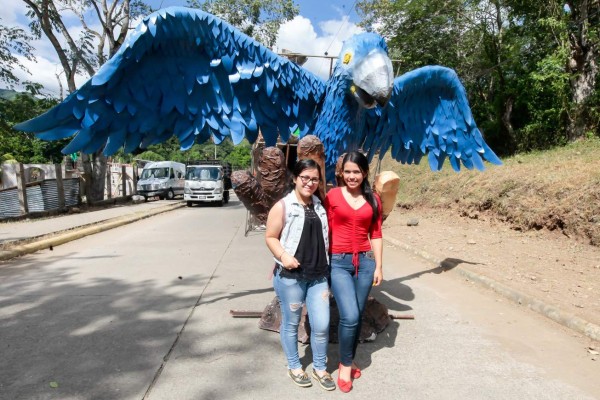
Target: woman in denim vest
{"x":297,"y":235}
{"x":355,"y":218}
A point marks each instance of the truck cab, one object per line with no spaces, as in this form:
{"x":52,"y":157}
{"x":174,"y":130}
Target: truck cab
{"x":162,"y":179}
{"x":207,"y":182}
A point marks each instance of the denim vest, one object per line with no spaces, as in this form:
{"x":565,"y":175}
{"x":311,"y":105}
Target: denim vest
{"x":294,"y":222}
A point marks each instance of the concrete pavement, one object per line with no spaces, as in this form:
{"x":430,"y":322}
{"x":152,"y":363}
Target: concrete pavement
{"x":100,"y":318}
{"x":28,"y":236}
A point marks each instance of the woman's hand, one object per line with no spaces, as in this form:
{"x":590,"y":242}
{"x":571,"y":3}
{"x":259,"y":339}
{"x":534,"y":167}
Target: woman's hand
{"x":289,"y":261}
{"x":377,"y":246}
{"x":378,"y":276}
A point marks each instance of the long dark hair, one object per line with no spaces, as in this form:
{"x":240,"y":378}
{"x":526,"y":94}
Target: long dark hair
{"x":363,"y":164}
{"x":301,"y":166}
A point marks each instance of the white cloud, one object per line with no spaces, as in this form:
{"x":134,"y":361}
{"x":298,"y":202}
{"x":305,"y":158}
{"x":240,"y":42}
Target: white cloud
{"x":44,"y":72}
{"x":299,"y":36}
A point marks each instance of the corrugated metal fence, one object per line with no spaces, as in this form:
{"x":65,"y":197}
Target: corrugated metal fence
{"x":41,"y":196}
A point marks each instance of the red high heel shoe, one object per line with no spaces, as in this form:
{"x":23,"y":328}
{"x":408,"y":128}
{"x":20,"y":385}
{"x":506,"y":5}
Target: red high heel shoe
{"x":345,"y":386}
{"x":355,"y":373}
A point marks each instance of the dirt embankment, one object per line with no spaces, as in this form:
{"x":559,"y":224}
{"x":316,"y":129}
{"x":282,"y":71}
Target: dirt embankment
{"x":532,"y":224}
{"x":557,"y":191}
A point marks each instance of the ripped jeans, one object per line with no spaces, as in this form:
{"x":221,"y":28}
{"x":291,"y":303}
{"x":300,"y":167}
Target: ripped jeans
{"x":292,"y":295}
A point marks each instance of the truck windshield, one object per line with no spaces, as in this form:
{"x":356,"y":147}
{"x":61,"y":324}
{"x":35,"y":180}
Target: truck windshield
{"x":148,"y":173}
{"x":203,"y":174}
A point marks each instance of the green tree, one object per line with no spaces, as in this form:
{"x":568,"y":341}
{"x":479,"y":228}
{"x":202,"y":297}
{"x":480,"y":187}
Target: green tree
{"x":530,"y":68}
{"x":25,"y":147}
{"x":259,"y":19}
{"x":240,"y":156}
{"x":569,"y":31}
{"x":13,"y":41}
{"x":150,"y":155}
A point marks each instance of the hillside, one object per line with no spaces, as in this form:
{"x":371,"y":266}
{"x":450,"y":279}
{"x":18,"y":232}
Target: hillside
{"x":532,"y":225}
{"x":8,"y":94}
{"x":556,"y":190}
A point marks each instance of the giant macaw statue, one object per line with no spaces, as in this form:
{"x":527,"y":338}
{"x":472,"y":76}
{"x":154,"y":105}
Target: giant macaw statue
{"x":186,"y":73}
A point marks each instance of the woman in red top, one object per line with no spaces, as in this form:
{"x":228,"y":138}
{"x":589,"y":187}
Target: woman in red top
{"x":354,"y":214}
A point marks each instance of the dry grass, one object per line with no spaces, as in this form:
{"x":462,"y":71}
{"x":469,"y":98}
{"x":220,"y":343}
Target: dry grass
{"x":558,"y":190}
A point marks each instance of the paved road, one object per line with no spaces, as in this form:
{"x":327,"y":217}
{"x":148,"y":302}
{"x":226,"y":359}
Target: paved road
{"x":142,"y":311}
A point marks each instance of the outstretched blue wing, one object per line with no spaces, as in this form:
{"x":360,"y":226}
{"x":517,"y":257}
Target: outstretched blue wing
{"x":184,"y":72}
{"x":428,"y":113}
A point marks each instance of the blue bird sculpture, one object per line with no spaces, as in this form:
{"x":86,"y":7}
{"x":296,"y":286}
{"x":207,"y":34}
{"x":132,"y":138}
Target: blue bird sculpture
{"x":186,"y":73}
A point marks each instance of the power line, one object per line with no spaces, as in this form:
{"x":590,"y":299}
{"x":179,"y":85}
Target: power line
{"x":341,"y":26}
{"x":344,"y":20}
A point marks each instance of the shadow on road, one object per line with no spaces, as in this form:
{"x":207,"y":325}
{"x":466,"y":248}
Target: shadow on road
{"x":101,"y":338}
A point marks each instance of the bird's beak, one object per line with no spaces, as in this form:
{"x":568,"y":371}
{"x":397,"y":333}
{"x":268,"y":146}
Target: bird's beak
{"x":374,"y":77}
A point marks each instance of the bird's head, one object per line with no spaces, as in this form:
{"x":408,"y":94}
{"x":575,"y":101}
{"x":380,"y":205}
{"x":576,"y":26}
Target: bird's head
{"x":364,"y":59}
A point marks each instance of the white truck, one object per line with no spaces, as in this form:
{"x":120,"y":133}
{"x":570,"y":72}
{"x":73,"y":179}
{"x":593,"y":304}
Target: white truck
{"x":207,"y":182}
{"x":162,"y":179}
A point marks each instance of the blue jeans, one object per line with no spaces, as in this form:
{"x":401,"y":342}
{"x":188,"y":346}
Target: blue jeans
{"x":351,"y":293}
{"x":293,"y":293}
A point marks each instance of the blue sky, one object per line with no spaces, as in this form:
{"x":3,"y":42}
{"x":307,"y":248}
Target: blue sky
{"x":322,"y":26}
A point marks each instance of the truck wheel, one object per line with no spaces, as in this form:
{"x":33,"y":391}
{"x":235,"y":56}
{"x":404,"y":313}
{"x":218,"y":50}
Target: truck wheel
{"x":189,"y":204}
{"x":170,"y":194}
{"x":220,"y":203}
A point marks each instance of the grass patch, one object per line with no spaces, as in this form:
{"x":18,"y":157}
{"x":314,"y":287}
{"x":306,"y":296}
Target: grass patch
{"x":558,"y":189}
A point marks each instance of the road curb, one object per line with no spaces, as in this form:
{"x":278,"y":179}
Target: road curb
{"x":79,"y":232}
{"x":566,"y":319}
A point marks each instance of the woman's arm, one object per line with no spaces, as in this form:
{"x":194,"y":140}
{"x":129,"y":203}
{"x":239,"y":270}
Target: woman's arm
{"x":377,"y":247}
{"x":272,"y":235}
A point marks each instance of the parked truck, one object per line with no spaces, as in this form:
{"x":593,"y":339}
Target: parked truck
{"x":162,"y":179}
{"x":207,"y":181}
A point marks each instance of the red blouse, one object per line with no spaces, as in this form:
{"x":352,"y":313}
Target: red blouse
{"x":351,"y":229}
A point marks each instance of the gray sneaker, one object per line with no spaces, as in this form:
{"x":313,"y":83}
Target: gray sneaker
{"x":301,"y":380}
{"x":326,"y":381}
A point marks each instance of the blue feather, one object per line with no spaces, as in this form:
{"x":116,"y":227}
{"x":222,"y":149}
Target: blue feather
{"x":115,"y":142}
{"x":80,"y":140}
{"x":60,"y":132}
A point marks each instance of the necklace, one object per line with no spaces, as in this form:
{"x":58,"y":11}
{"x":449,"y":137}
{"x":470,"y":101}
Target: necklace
{"x":305,"y":205}
{"x":355,"y":199}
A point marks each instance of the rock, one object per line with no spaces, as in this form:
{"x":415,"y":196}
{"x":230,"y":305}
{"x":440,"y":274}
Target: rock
{"x":271,"y":320}
{"x":471,"y":241}
{"x":412,"y":222}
